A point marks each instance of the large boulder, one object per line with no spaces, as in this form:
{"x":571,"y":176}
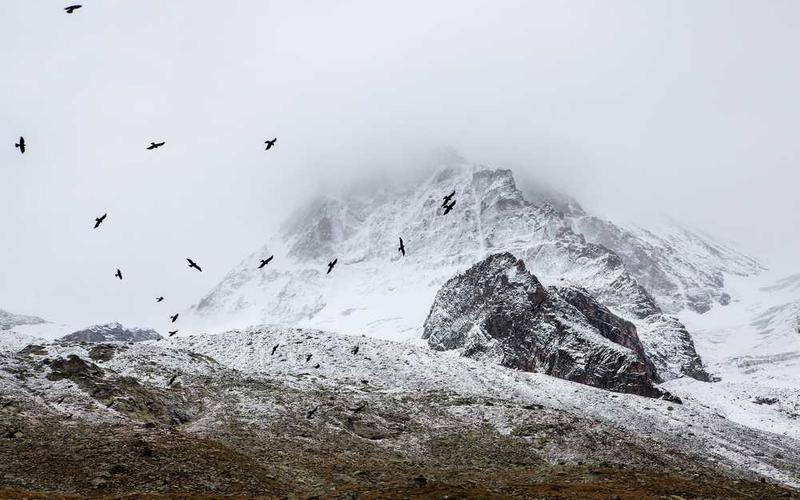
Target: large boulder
{"x":500,"y":312}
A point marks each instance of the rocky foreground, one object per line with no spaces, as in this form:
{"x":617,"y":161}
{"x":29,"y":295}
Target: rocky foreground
{"x":300,"y":413}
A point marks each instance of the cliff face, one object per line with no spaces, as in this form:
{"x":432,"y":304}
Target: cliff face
{"x":498,"y":311}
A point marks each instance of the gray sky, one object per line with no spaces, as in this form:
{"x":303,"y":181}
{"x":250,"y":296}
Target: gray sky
{"x":635,"y":108}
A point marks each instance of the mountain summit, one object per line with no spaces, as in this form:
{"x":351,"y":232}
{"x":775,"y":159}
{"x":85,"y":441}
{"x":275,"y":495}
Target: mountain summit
{"x":376,"y":292}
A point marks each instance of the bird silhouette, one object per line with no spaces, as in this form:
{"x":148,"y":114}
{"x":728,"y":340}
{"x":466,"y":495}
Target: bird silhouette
{"x":72,"y":8}
{"x":270,"y":143}
{"x":402,"y":248}
{"x":175,"y":318}
{"x":354,"y":350}
{"x":99,"y":220}
{"x":20,"y":145}
{"x":155,"y":145}
{"x":308,"y":357}
{"x":119,"y":274}
{"x":447,"y":199}
{"x":169,"y":384}
{"x":173,"y":332}
{"x":449,"y":207}
{"x":159,"y":299}
{"x":194,"y":265}
{"x":331,"y":265}
{"x":311,"y":413}
{"x":265,"y":262}
{"x":274,"y":348}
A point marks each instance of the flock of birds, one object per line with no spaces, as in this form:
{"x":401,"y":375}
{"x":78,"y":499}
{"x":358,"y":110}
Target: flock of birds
{"x":447,"y":204}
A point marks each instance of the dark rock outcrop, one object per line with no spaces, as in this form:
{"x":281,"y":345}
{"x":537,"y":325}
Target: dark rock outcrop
{"x":499,"y":311}
{"x":112,"y":332}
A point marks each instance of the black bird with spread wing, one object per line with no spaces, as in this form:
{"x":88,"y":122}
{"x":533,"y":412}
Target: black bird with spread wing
{"x":447,"y":199}
{"x":264,"y":262}
{"x":159,"y":299}
{"x":270,"y":143}
{"x":274,"y":348}
{"x":155,"y":145}
{"x":174,"y":318}
{"x":449,"y":207}
{"x":72,"y":8}
{"x":20,"y":145}
{"x":331,"y":265}
{"x":119,"y":274}
{"x":402,"y":248}
{"x":194,"y":265}
{"x":173,"y":332}
{"x":99,"y":220}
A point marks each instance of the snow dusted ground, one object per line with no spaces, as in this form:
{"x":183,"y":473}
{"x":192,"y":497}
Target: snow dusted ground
{"x":398,"y":368}
{"x":753,"y":347}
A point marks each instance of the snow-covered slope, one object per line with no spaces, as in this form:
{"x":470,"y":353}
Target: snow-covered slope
{"x":375,"y":291}
{"x":680,"y":268}
{"x":315,"y":357}
{"x":752,"y":347}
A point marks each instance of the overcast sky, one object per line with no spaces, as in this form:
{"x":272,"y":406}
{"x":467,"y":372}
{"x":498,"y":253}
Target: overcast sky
{"x":683,"y":107}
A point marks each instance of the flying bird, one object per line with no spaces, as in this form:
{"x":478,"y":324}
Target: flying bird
{"x":449,"y":207}
{"x":175,"y":318}
{"x":159,"y":299}
{"x":119,"y":274}
{"x":265,"y":262}
{"x":308,"y":357}
{"x":311,"y":413}
{"x":274,"y":348}
{"x":20,"y":145}
{"x":173,"y":332}
{"x":72,"y":8}
{"x":194,"y":265}
{"x":270,"y":143}
{"x":354,"y":350}
{"x":402,"y":248}
{"x":331,"y":264}
{"x":447,"y":199}
{"x":99,"y":220}
{"x":155,"y":145}
{"x":169,"y":384}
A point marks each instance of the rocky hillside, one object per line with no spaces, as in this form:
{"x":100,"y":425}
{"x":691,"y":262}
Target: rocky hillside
{"x":112,"y":332}
{"x":303,"y":412}
{"x":499,"y":312}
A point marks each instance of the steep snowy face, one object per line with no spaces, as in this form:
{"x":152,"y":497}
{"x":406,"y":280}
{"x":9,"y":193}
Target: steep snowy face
{"x":112,"y":332}
{"x":500,"y":312}
{"x":680,"y":268}
{"x":376,"y":291}
{"x":9,"y":320}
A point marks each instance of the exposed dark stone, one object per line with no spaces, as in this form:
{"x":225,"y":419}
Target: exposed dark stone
{"x":499,"y":311}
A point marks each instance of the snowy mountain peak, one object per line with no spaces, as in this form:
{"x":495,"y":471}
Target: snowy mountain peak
{"x":376,"y":291}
